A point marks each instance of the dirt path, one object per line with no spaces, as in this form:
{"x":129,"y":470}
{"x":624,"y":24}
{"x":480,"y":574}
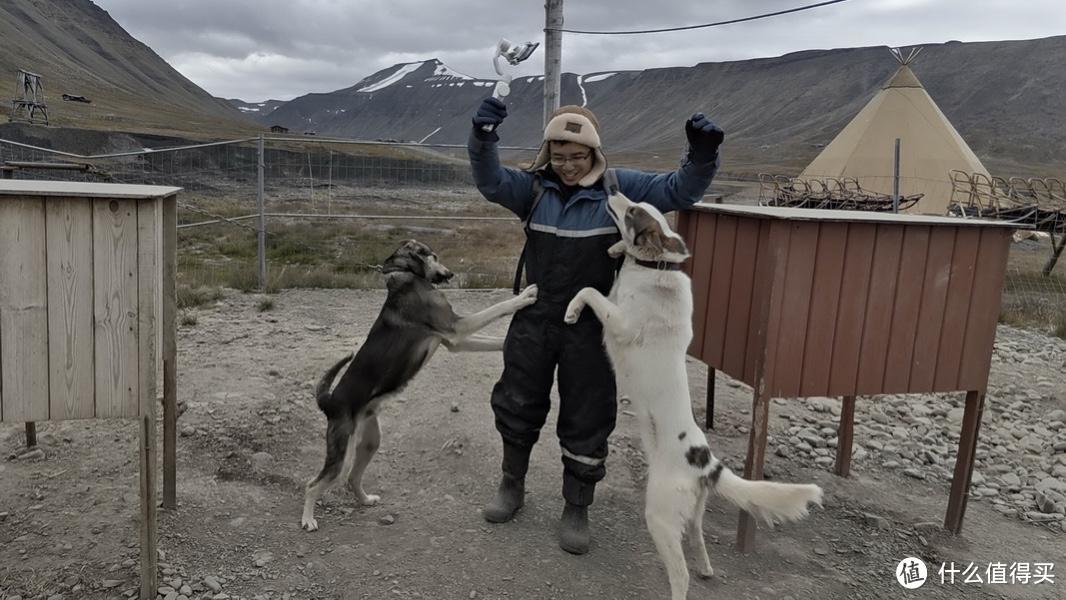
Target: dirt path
{"x":251,"y":436}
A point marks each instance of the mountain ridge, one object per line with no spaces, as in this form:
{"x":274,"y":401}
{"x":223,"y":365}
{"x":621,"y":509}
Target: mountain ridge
{"x":78,"y":49}
{"x":776,"y":110}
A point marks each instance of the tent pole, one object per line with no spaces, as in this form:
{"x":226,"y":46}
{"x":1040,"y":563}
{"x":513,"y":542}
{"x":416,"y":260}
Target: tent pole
{"x":895,"y":180}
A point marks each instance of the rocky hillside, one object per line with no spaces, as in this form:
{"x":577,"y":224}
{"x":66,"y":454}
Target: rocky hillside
{"x":1003,"y":97}
{"x":79,"y":50}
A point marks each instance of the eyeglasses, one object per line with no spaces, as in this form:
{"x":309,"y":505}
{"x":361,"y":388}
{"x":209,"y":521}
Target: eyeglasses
{"x":559,"y":161}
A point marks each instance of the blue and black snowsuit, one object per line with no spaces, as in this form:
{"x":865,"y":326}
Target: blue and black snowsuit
{"x":567,"y":238}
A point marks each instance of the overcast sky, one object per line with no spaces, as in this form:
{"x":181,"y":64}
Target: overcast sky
{"x":260,"y":49}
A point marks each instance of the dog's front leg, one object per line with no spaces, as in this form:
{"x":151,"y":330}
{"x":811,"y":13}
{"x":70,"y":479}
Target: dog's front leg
{"x":613,"y":319}
{"x":474,"y":343}
{"x":617,"y":249}
{"x":465,"y":326}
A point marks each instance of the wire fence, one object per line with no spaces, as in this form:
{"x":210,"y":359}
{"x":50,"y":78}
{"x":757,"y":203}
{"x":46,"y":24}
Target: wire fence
{"x":1029,"y":296}
{"x":334,"y":209}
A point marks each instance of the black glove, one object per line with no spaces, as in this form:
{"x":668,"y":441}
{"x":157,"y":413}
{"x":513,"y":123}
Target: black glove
{"x":492,"y":112}
{"x":704,"y":137}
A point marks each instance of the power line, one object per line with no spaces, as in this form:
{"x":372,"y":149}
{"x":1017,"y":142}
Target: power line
{"x":687,"y":27}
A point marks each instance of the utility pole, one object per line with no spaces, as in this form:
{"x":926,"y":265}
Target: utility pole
{"x":553,"y":55}
{"x":260,"y":201}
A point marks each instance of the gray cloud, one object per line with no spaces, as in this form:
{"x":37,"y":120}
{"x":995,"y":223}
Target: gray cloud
{"x":259,"y":49}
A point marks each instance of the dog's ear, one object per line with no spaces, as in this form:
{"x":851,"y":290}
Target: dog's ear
{"x":649,"y":238}
{"x":675,"y":245}
{"x":647,"y":232}
{"x":404,"y":260}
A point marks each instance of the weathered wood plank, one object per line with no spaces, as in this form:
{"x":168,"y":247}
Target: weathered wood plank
{"x":23,"y":311}
{"x":169,"y":352}
{"x":70,"y":308}
{"x":149,"y":223}
{"x":148,"y":523}
{"x":115,"y":300}
{"x":148,"y":301}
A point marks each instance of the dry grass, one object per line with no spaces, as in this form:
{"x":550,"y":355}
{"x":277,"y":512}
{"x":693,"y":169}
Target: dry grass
{"x":1029,"y":298}
{"x":344,"y":253}
{"x":193,"y":297}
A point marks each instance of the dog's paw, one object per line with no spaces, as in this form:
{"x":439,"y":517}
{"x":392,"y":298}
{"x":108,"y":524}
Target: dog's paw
{"x":528,"y":295}
{"x":617,"y":249}
{"x":705,"y":572}
{"x":573,"y":311}
{"x":369,"y":499}
{"x":309,"y":524}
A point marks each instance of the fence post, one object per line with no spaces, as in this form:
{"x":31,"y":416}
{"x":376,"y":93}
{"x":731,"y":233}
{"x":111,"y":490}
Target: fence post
{"x":1056,"y":252}
{"x":261,"y":204}
{"x":311,"y":182}
{"x":31,"y":426}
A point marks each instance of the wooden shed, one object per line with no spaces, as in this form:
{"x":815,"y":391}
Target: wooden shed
{"x":804,"y":302}
{"x":87,"y":316}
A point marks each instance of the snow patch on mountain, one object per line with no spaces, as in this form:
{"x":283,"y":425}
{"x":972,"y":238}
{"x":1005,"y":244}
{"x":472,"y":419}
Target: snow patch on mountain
{"x":444,"y":70}
{"x":396,"y":75}
{"x":600,"y":77}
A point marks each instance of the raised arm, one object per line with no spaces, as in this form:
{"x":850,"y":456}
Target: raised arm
{"x":685,"y":186}
{"x":508,"y":187}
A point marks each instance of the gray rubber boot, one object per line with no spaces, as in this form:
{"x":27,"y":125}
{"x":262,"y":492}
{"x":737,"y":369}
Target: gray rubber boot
{"x":509,"y":498}
{"x":511,"y":494}
{"x":574,"y":534}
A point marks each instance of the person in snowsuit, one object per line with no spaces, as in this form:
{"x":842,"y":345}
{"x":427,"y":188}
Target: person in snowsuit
{"x":561,"y":199}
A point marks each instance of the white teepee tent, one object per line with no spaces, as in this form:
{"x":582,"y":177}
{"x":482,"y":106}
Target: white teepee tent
{"x":930,"y":146}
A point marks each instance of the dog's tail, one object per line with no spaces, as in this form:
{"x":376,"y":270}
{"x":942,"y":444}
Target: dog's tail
{"x":322,"y":390}
{"x":767,"y":501}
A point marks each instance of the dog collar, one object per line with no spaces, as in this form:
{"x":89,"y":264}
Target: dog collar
{"x":659,"y":265}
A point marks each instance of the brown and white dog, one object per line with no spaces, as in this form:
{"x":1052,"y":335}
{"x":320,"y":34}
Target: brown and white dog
{"x":647,"y":327}
{"x":415,"y":320}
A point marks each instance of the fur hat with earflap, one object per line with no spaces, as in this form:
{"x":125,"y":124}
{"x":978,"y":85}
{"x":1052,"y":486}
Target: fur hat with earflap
{"x":576,"y":124}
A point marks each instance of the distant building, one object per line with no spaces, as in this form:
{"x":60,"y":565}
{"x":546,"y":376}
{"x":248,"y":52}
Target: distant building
{"x":278,"y":129}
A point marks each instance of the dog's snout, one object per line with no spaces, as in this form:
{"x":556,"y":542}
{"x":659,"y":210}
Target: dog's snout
{"x":444,"y":275}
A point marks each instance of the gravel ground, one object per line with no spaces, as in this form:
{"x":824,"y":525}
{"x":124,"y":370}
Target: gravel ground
{"x":251,"y":437}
